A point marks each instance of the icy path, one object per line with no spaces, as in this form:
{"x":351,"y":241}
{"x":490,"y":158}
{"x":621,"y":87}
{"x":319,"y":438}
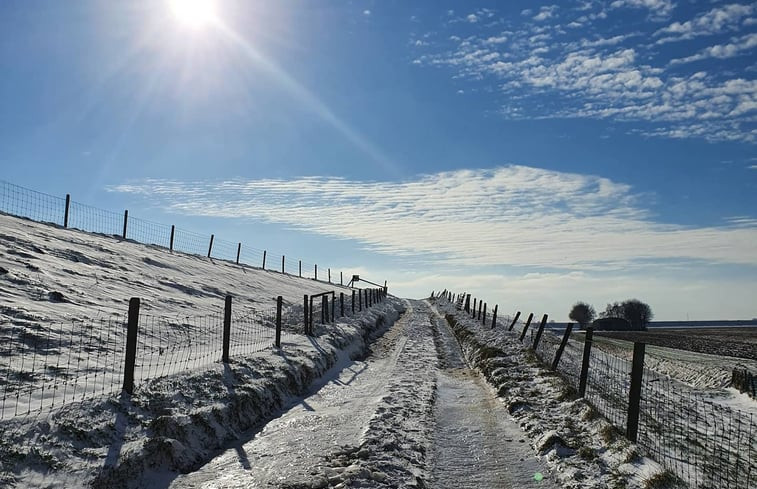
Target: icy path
{"x":409,"y":415}
{"x":476,"y":443}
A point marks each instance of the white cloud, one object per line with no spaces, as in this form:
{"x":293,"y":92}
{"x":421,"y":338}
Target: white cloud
{"x":658,"y":9}
{"x":366,"y":12}
{"x":737,"y":47}
{"x":513,"y":215}
{"x":546,"y":13}
{"x":719,"y":19}
{"x":472,"y":18}
{"x":752,"y":167}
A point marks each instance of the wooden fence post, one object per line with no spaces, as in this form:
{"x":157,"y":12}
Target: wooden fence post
{"x":300,"y":269}
{"x":210,"y":248}
{"x":170,"y":241}
{"x":585,"y":362}
{"x":467,"y":303}
{"x":474,"y":307}
{"x":634,"y":395}
{"x":65,"y":214}
{"x":360,"y":300}
{"x":126,"y":221}
{"x":279,"y":301}
{"x":333,"y":307}
{"x":540,"y":331}
{"x":316,"y":271}
{"x":131,"y":344}
{"x":560,"y":349}
{"x":341,"y":282}
{"x":264,"y":254}
{"x":480,"y":305}
{"x":283,"y":267}
{"x":515,"y":320}
{"x":341,"y":304}
{"x":525,"y":328}
{"x":324,"y":309}
{"x":483,"y":317}
{"x":305,"y":314}
{"x":353,"y":302}
{"x":226,"y":329}
{"x":329,"y":275}
{"x":239,"y":251}
{"x":494,"y":316}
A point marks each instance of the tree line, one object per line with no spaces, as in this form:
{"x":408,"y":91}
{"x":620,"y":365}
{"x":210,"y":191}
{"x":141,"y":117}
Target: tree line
{"x":636,"y":312}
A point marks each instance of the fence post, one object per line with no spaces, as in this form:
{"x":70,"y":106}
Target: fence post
{"x":226,"y":329}
{"x":329,"y":275}
{"x":525,"y":328}
{"x":316,"y":271}
{"x":634,"y":395}
{"x":341,"y":281}
{"x":300,"y":269}
{"x":126,"y":220}
{"x":239,"y":251}
{"x":310,"y":317}
{"x":517,"y":315}
{"x":65,"y":214}
{"x":474,"y":307}
{"x":131,"y":344}
{"x":210,"y":247}
{"x":367,"y":298}
{"x":353,"y":302}
{"x":585,"y":362}
{"x":467,"y":303}
{"x":483,"y":318}
{"x":305,"y":313}
{"x":494,"y":316}
{"x":264,"y":254}
{"x":341,"y":303}
{"x":333,"y":307}
{"x":325,"y":309}
{"x":282,"y":264}
{"x":480,"y":305}
{"x":170,"y":243}
{"x":541,"y":330}
{"x":279,"y":300}
{"x":560,"y":349}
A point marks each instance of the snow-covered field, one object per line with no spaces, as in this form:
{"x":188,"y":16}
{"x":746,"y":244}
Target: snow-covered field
{"x":369,"y":401}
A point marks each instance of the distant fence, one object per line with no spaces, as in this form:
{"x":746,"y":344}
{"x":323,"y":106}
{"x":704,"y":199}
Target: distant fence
{"x":746,"y":382}
{"x":38,"y":206}
{"x":701,"y":440}
{"x":44,"y":366}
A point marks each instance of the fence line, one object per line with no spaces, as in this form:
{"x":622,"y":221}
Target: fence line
{"x":702,"y":441}
{"x":38,"y":206}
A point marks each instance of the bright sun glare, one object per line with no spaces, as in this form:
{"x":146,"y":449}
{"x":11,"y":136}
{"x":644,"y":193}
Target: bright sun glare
{"x":194,"y":13}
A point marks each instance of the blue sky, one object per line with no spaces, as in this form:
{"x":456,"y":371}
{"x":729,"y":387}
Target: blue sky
{"x":534,"y":154}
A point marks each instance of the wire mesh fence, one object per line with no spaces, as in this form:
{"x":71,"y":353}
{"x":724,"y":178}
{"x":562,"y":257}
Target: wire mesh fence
{"x":23,"y":202}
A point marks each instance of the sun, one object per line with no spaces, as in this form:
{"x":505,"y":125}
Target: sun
{"x":194,"y":13}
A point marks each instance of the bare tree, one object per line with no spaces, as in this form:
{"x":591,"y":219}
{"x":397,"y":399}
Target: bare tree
{"x":582,"y":313}
{"x":637,"y":313}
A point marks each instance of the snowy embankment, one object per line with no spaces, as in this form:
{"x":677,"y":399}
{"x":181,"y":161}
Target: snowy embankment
{"x":52,"y":277}
{"x":582,"y":448}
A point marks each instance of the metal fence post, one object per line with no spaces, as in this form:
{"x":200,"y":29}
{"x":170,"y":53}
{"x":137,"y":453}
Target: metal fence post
{"x":525,"y":328}
{"x":540,"y":331}
{"x":515,"y":320}
{"x":634,"y":395}
{"x":279,"y":301}
{"x":170,"y":241}
{"x":131,"y":344}
{"x":560,"y":349}
{"x":210,"y":247}
{"x":585,"y":362}
{"x":126,"y":221}
{"x":226,"y":329}
{"x":494,"y":316}
{"x":65,"y":214}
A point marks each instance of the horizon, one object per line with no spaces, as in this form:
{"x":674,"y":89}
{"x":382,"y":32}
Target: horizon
{"x":531,"y":155}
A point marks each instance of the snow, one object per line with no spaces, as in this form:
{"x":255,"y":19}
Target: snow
{"x":390,"y":397}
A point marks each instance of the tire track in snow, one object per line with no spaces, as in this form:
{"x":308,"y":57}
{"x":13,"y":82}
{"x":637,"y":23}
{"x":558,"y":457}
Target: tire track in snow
{"x":476,"y":443}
